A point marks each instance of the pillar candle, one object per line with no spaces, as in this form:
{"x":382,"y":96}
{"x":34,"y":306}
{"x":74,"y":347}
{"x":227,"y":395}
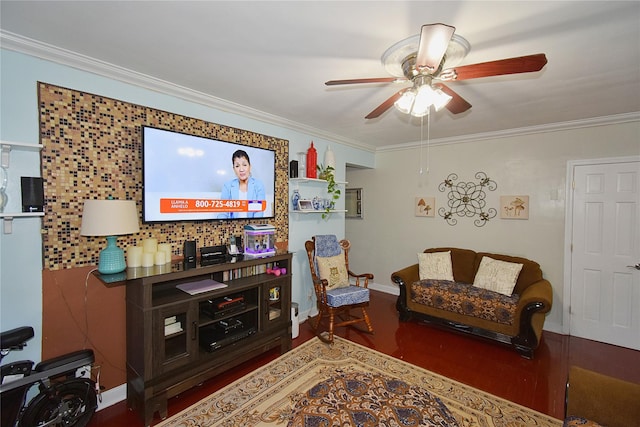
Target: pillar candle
{"x":150,"y":245}
{"x":166,"y":248}
{"x":159,"y":258}
{"x":134,"y":256}
{"x":147,"y":259}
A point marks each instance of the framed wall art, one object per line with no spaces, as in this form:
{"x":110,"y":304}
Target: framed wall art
{"x":425,"y":206}
{"x":514,"y":207}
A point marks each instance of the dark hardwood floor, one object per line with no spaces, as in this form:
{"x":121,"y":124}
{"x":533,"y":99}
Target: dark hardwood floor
{"x":538,"y":384}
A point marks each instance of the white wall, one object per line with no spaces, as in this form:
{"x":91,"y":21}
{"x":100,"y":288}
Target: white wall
{"x":21,"y":253}
{"x":390,"y":235}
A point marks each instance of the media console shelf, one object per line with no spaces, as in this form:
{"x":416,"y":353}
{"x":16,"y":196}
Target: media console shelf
{"x":176,"y":340}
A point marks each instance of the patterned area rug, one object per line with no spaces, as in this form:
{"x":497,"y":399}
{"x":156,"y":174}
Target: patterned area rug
{"x":346,"y":384}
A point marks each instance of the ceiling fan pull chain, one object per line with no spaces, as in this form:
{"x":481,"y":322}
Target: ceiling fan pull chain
{"x":421,"y":141}
{"x":428,"y":137}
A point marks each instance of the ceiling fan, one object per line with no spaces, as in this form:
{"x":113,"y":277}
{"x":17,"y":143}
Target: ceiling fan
{"x":427,"y":61}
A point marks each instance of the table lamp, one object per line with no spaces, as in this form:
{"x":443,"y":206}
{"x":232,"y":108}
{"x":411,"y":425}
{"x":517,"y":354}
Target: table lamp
{"x":110,"y":218}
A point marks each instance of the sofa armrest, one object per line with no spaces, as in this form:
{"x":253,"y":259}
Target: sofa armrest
{"x":539,"y":291}
{"x":534,"y":302}
{"x":406,"y":276}
{"x":606,"y":400}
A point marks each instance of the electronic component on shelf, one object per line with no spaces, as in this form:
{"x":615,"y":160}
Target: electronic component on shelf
{"x":212,"y":339}
{"x":224,"y":306}
{"x":213,"y":255}
{"x":229,"y":325}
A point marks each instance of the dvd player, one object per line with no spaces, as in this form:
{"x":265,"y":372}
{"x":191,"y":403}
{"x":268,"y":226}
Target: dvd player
{"x":212,"y":339}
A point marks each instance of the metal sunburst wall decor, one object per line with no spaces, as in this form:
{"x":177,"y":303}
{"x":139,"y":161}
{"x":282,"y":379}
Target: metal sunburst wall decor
{"x":467,"y":199}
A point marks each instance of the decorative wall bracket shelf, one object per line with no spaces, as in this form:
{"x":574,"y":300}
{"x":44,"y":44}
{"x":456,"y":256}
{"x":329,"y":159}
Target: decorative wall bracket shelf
{"x":5,"y":160}
{"x":297,"y":180}
{"x":318,"y":211}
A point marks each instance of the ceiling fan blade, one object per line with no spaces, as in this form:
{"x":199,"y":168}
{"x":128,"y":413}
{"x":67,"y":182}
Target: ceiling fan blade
{"x":385,"y":105}
{"x":521,"y":64}
{"x":434,"y":40}
{"x":371,"y":80}
{"x":457,"y":104}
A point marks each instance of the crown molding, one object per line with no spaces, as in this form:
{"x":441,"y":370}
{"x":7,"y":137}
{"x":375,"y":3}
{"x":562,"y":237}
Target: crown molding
{"x":546,"y":128}
{"x":41,"y":50}
{"x":38,"y":49}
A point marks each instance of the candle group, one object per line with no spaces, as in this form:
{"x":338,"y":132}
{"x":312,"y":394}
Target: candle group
{"x":149,"y":254}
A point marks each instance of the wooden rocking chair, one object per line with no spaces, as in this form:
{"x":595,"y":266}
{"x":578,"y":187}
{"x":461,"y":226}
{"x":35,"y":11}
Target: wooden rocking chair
{"x":326,"y":254}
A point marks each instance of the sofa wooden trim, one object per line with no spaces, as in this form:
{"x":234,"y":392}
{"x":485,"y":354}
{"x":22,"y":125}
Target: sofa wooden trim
{"x":535,"y":300}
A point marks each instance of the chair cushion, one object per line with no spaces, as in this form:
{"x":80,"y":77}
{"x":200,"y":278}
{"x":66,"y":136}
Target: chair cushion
{"x":346,"y":296}
{"x":465,"y":300}
{"x":334,"y":270}
{"x":327,"y":245}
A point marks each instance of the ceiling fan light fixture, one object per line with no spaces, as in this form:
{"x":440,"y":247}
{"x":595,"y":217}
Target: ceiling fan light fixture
{"x":418,"y":100}
{"x":441,"y":99}
{"x":404,"y":104}
{"x":424,"y":99}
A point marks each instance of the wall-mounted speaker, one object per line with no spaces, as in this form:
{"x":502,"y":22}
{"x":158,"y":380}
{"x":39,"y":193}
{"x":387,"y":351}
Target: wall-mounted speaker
{"x":189,"y":252}
{"x":293,"y":169}
{"x":32,"y":194}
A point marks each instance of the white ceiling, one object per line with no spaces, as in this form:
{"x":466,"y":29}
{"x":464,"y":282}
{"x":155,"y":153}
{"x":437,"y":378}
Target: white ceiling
{"x":270,"y":59}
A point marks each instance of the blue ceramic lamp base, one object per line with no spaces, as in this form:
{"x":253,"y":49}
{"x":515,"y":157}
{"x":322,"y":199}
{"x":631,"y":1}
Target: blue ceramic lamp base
{"x":111,"y":259}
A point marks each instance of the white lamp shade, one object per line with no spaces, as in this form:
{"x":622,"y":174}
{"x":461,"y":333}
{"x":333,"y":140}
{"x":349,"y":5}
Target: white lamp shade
{"x":109,"y":218}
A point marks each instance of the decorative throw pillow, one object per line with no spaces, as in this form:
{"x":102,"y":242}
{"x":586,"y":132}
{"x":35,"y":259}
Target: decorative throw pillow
{"x":435,"y":266}
{"x":334,"y":270}
{"x":496,"y":275}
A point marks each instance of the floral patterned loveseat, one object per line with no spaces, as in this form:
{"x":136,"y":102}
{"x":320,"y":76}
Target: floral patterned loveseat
{"x":513,"y":317}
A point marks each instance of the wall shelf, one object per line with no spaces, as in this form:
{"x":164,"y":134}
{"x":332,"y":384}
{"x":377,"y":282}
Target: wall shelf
{"x":8,"y":145}
{"x":320,"y":211}
{"x":312,"y":184}
{"x":5,"y":160}
{"x":302,"y":180}
{"x":7,"y":219}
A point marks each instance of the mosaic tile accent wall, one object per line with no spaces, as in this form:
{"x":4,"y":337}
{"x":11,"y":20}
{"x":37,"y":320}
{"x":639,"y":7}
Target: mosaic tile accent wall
{"x":92,"y":149}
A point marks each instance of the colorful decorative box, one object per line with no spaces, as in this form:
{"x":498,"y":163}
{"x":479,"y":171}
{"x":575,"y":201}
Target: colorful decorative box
{"x":259,"y":240}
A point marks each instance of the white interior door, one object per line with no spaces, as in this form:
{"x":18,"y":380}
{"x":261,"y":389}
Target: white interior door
{"x":605,"y":287}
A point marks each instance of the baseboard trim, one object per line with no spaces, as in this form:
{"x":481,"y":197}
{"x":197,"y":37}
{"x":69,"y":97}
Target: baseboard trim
{"x":388,"y":289}
{"x":112,"y":396}
{"x":553,"y":327}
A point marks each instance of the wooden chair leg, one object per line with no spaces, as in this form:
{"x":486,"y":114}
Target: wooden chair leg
{"x":331,"y":320}
{"x":317,"y":321}
{"x":326,"y":337}
{"x":366,"y":320}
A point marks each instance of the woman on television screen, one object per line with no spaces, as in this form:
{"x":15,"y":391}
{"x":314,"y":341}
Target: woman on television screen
{"x":242,"y":187}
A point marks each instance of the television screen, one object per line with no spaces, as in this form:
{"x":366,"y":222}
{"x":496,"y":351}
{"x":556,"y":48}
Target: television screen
{"x":191,"y":178}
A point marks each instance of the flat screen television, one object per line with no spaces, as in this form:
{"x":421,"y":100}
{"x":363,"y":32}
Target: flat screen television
{"x":192,"y":178}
